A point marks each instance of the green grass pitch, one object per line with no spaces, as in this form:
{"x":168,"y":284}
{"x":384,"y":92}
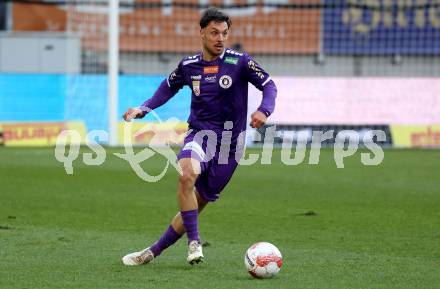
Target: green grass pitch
{"x":371,"y":227}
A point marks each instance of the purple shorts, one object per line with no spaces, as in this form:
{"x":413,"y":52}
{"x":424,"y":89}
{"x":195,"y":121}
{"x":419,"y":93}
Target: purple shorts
{"x":216,"y":168}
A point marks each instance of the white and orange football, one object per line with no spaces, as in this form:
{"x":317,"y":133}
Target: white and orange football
{"x":263,"y":260}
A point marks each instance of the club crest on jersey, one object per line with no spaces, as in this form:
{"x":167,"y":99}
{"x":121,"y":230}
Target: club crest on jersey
{"x":225,"y":81}
{"x":196,"y":87}
{"x":210,"y":70}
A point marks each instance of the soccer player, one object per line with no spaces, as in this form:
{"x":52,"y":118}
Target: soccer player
{"x":219,"y":79}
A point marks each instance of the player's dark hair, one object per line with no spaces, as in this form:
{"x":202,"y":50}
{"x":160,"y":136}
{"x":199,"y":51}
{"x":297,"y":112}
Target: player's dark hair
{"x":214,"y":14}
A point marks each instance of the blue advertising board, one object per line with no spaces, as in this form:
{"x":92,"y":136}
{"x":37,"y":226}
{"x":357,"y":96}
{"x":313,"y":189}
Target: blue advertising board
{"x":57,"y":97}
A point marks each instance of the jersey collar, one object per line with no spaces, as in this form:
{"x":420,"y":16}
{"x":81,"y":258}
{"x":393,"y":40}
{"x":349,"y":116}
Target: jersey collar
{"x":220,"y":57}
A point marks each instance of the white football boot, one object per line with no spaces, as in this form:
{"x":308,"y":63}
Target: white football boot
{"x":195,"y":254}
{"x":138,"y":258}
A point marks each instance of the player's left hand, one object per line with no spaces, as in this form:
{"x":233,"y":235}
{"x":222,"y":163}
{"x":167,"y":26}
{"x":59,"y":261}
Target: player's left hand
{"x":258,"y":119}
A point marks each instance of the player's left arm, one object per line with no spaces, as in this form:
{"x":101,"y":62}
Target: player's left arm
{"x":262,"y":81}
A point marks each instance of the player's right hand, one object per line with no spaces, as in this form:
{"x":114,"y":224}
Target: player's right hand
{"x":258,"y":119}
{"x":133,"y":113}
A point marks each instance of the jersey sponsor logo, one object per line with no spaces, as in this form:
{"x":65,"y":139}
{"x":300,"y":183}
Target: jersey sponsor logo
{"x":231,"y":60}
{"x":211,"y":79}
{"x":196,"y":87}
{"x":196,"y":77}
{"x":225,"y":81}
{"x":210,"y":70}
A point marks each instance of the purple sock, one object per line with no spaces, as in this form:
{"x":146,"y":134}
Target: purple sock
{"x":191,"y":224}
{"x":168,"y":238}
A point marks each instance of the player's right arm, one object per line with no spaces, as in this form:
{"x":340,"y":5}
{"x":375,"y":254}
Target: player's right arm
{"x":166,"y":90}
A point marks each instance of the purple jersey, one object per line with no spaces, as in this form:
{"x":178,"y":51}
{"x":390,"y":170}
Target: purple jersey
{"x":219,"y":98}
{"x":219,"y":90}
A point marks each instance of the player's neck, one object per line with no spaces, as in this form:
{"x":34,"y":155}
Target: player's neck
{"x":208,"y":56}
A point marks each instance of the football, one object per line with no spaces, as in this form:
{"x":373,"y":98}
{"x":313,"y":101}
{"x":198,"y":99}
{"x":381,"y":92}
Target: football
{"x":263,"y":260}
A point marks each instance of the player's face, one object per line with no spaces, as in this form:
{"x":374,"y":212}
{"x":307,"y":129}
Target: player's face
{"x":214,"y":37}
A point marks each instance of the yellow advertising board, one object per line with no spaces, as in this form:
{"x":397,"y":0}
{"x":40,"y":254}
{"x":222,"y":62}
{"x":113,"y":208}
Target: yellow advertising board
{"x":416,"y":136}
{"x":37,"y":133}
{"x":153,"y":133}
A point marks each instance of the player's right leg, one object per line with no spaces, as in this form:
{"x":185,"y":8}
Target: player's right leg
{"x":186,"y":220}
{"x":170,"y":236}
{"x":188,"y":205}
{"x":177,"y":222}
